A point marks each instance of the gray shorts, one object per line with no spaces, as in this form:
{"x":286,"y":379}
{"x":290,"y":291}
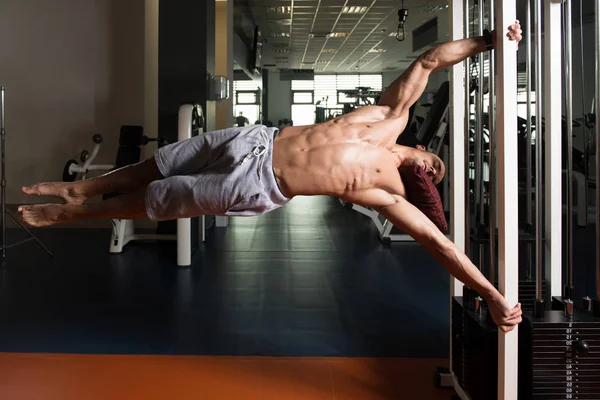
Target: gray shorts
{"x":226,"y":172}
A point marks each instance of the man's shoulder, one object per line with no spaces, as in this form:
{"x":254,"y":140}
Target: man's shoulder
{"x":391,"y":181}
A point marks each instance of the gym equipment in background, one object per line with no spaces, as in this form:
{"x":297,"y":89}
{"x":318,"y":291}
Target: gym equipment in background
{"x":362,"y":96}
{"x":130,"y":137}
{"x":190,"y":122}
{"x":75,"y":170}
{"x":558,"y":355}
{"x":282,"y":123}
{"x":31,"y":237}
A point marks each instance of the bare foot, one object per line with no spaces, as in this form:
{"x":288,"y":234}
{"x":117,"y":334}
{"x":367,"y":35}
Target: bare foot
{"x":39,"y":215}
{"x":64,"y":190}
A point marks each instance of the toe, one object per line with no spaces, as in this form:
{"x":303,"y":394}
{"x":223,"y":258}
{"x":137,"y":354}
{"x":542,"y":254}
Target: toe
{"x":30,"y":189}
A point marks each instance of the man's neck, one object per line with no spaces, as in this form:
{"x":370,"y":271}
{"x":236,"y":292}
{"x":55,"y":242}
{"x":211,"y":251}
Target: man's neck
{"x":404,"y":154}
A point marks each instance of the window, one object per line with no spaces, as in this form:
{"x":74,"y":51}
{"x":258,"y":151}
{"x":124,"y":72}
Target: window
{"x":303,"y":97}
{"x":327,"y":91}
{"x":243,"y":97}
{"x":303,"y":102}
{"x":246,"y":96}
{"x":303,"y":114}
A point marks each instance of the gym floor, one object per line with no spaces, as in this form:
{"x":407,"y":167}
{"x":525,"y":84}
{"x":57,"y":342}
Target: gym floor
{"x":303,"y":302}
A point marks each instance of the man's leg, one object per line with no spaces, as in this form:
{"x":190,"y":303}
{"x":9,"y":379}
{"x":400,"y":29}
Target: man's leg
{"x":128,"y":206}
{"x":124,"y":180}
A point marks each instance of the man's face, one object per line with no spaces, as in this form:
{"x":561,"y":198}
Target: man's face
{"x":431,"y":163}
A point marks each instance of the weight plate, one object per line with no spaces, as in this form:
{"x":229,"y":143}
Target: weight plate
{"x":67,"y":176}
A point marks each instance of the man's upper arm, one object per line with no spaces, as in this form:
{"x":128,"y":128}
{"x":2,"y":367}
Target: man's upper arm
{"x":412,"y":221}
{"x":408,"y":87}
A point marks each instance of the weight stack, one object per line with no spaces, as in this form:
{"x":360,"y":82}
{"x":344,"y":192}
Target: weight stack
{"x":527,"y":294}
{"x":474,"y":352}
{"x":559,"y":357}
{"x":458,"y":344}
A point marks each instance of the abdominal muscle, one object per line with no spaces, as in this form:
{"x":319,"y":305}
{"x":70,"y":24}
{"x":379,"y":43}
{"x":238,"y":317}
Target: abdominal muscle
{"x":339,"y":158}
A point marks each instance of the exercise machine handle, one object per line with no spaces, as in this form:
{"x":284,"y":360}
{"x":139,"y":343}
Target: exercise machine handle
{"x":97,"y":139}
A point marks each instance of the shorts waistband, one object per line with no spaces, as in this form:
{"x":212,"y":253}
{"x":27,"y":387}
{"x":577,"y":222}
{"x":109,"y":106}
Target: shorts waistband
{"x":270,"y":184}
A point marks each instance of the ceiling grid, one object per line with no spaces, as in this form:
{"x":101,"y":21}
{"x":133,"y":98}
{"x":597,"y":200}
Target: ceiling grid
{"x":338,"y":36}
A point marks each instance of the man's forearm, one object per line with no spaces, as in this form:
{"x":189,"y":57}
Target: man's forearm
{"x":459,"y":266}
{"x":448,"y":54}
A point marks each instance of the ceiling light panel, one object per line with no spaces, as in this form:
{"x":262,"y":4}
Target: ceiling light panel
{"x":281,"y":10}
{"x":431,"y":9}
{"x":355,"y":10}
{"x":338,"y":34}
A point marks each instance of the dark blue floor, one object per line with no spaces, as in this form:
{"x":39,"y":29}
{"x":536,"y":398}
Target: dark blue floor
{"x":310,"y":279}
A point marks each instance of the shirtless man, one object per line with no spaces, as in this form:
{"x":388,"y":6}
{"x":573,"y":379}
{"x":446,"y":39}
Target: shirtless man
{"x":252,"y":170}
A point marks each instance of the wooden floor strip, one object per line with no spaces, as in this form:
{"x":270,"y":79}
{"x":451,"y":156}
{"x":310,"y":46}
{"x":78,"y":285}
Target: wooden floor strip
{"x":95,"y":377}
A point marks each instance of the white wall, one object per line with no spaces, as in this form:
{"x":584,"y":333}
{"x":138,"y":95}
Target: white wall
{"x":279,"y":98}
{"x":224,"y":58}
{"x":151,"y":73}
{"x":71,"y":68}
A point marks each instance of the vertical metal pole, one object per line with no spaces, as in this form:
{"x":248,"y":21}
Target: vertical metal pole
{"x":507,"y":182}
{"x":3,"y":181}
{"x":583,"y":113}
{"x":184,"y":225}
{"x":458,"y":137}
{"x":528,"y":147}
{"x":467,"y":130}
{"x":568,"y":68}
{"x":479,"y":147}
{"x":491,"y":157}
{"x":538,"y":151}
{"x":553,"y":143}
{"x":479,"y":161}
{"x":597,"y":104}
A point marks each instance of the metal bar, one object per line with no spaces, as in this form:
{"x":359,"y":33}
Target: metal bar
{"x":568,"y":69}
{"x":31,"y":236}
{"x":583,"y":113}
{"x":184,"y":225}
{"x":529,"y":147}
{"x":507,"y":182}
{"x":553,"y":143}
{"x":491,"y":157}
{"x":458,"y":137}
{"x":538,"y":151}
{"x":3,"y":179}
{"x":479,"y":159}
{"x":597,"y":104}
{"x":467,"y":128}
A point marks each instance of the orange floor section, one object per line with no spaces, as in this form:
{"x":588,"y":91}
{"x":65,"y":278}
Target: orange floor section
{"x":94,"y":377}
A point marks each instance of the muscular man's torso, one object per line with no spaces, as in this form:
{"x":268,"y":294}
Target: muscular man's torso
{"x":353,"y":157}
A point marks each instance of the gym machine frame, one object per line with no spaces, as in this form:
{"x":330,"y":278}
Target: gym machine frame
{"x":4,"y":245}
{"x":545,"y":336}
{"x":190,"y":120}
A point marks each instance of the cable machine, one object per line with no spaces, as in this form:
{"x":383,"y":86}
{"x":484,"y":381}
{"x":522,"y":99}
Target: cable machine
{"x":555,"y":352}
